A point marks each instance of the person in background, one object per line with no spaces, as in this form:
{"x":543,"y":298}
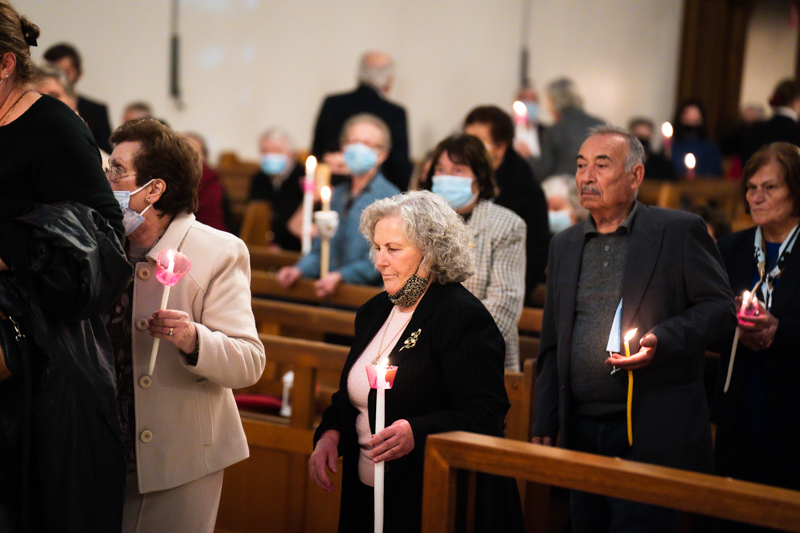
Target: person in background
{"x":462,"y":173}
{"x":528,"y":139}
{"x":449,"y":357}
{"x":783,"y":126}
{"x":518,"y":191}
{"x":564,"y":209}
{"x":561,"y":141}
{"x":278,"y":181}
{"x":691,"y":137}
{"x":180,"y":424}
{"x":66,"y":57}
{"x":136,"y":110}
{"x":53,"y":81}
{"x":717,"y":221}
{"x":733,"y":144}
{"x":631,"y":266}
{"x":211,"y":208}
{"x":656,"y":166}
{"x":63,"y":465}
{"x":365,"y":142}
{"x":758,"y":416}
{"x":375,"y":79}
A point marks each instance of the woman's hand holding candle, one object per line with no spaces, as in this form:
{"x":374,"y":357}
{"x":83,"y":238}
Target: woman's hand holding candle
{"x":393,"y":442}
{"x":757,"y":331}
{"x":639,"y":360}
{"x":175,"y":327}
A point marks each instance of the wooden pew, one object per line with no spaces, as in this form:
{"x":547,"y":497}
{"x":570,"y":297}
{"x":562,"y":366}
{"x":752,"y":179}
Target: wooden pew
{"x":271,"y":490}
{"x":347,"y":295}
{"x":270,"y":260}
{"x":256,"y":223}
{"x":235,"y":176}
{"x":714,"y":496}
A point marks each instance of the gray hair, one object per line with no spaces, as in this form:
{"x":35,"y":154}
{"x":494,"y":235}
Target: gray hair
{"x":431,"y":225}
{"x":564,"y":186}
{"x":635,"y":155}
{"x":564,"y":95}
{"x":370,"y":119}
{"x":277,"y":133}
{"x":375,"y":70}
{"x":49,"y":70}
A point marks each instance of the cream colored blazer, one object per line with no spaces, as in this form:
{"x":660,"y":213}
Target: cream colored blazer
{"x":187,"y":423}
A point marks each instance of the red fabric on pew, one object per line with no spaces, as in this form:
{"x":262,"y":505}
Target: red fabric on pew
{"x":261,"y":402}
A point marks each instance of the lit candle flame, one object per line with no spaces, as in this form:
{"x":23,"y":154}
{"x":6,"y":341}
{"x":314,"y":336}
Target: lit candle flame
{"x":325,"y":193}
{"x":520,"y":109}
{"x":666,"y":129}
{"x":690,"y":161}
{"x":630,"y":334}
{"x":171,"y":257}
{"x":745,"y":300}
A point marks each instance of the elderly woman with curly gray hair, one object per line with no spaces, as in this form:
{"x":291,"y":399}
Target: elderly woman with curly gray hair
{"x":449,"y":357}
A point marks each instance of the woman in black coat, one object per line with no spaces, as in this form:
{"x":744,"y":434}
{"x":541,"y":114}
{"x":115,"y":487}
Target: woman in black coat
{"x":449,"y":358}
{"x":758,"y":416}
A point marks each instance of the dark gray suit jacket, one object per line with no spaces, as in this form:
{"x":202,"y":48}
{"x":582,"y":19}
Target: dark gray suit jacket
{"x":674,"y":287}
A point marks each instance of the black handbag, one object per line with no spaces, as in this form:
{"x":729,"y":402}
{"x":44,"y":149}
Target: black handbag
{"x":14,"y":347}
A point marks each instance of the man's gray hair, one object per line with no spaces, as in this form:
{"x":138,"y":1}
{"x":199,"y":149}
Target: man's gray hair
{"x":278,"y":133}
{"x":564,"y":95}
{"x":635,"y":155}
{"x":48,"y":70}
{"x":376,"y":74}
{"x":369,"y":119}
{"x":431,"y":225}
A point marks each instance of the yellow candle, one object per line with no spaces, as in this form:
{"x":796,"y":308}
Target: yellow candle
{"x":628,"y":337}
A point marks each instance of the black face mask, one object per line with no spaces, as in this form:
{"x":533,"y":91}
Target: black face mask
{"x":693,"y":131}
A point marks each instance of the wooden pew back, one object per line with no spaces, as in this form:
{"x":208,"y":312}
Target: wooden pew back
{"x":446,"y":454}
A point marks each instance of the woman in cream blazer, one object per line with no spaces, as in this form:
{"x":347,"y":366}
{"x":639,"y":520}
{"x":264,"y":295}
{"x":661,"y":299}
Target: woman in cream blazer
{"x":180,"y":425}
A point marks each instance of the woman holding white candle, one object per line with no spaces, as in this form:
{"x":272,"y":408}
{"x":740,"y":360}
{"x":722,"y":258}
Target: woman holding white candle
{"x":758,"y":418}
{"x":180,"y":425}
{"x":449,"y":358}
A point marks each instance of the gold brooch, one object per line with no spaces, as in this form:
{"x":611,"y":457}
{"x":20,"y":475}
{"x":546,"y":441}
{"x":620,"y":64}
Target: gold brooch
{"x":411,"y":341}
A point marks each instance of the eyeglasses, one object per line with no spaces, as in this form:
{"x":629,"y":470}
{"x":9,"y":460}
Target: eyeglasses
{"x":116,"y":173}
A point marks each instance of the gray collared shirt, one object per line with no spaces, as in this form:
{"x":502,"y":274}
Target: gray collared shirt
{"x":595,"y":391}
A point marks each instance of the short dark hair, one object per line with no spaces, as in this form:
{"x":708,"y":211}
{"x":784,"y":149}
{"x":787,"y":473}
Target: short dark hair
{"x":787,"y":156}
{"x":59,"y":51}
{"x":167,"y":155}
{"x":785,"y":92}
{"x":501,"y":127}
{"x":467,"y":150}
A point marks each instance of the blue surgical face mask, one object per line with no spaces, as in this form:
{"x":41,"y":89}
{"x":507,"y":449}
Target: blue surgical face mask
{"x":533,"y":110}
{"x":359,"y":158}
{"x":559,"y":220}
{"x":130,"y":218}
{"x":457,"y":190}
{"x":272,"y":163}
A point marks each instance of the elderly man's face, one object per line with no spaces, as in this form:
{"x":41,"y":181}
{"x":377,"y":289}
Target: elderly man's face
{"x":603,"y":184}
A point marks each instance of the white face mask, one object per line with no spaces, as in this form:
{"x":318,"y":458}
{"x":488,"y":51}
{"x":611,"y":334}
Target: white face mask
{"x":130,"y":218}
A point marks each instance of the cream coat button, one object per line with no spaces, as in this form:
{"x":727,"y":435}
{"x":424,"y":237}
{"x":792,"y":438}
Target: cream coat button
{"x":144,"y":273}
{"x":141,"y":324}
{"x":145,"y":382}
{"x":146,"y":435}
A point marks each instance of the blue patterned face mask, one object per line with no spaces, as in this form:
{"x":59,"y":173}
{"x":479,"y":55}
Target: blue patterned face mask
{"x":457,"y":190}
{"x":273,"y":164}
{"x":533,"y":110}
{"x":359,"y":158}
{"x":130,"y":218}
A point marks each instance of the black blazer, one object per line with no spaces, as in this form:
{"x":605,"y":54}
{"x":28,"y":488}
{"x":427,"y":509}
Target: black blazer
{"x":781,"y":361}
{"x":451,"y":379}
{"x":674,"y":287}
{"x":95,"y":115}
{"x":336,"y":109}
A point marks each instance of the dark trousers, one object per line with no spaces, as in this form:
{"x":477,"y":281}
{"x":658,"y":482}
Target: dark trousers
{"x":595,"y":513}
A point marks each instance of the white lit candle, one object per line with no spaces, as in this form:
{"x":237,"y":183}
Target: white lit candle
{"x":380,"y":468}
{"x":308,"y":203}
{"x":168,"y":277}
{"x":666,"y":142}
{"x":745,"y":303}
{"x":325,"y":239}
{"x":628,"y":337}
{"x":690,"y":161}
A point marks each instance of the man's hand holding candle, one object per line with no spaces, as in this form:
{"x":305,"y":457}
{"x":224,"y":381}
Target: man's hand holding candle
{"x":639,"y":360}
